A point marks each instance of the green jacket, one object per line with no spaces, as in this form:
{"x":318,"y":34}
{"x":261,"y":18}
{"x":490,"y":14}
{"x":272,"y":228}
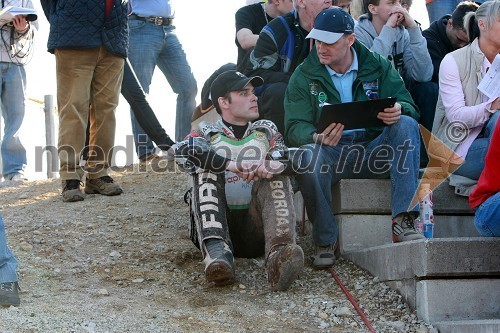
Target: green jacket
{"x":311,"y":84}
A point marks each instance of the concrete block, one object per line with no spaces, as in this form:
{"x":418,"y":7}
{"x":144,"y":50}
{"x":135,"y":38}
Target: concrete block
{"x":359,"y":232}
{"x":458,"y":299}
{"x":457,"y":257}
{"x":373,"y":196}
{"x":468,"y":326}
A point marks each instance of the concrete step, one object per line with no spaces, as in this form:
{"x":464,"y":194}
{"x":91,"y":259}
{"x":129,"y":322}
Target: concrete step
{"x":458,"y":299}
{"x":358,"y":232}
{"x":441,"y":277}
{"x":450,"y":257}
{"x":373,"y":196}
{"x":468,"y":326}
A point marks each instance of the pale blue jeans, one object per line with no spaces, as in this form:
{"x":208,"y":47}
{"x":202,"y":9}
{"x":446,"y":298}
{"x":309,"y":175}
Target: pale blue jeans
{"x":394,"y":154}
{"x":12,"y":89}
{"x":152,"y":45}
{"x":8,"y":262}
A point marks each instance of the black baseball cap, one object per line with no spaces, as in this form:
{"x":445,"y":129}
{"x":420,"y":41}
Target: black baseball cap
{"x":231,"y":81}
{"x":331,"y":24}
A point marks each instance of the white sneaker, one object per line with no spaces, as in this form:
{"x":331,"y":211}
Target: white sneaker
{"x":18,"y":178}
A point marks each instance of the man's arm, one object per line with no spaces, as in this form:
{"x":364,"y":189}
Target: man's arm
{"x":416,"y":57}
{"x":244,"y":20}
{"x":46,"y":4}
{"x":265,"y":59}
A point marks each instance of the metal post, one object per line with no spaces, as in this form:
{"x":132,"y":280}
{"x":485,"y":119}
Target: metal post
{"x":1,"y":137}
{"x":50,"y":137}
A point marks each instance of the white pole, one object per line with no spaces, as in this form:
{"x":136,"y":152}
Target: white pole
{"x":50,"y":137}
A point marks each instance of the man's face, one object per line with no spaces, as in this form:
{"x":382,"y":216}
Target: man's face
{"x":285,"y":6}
{"x":458,"y":37}
{"x":313,"y":7}
{"x":383,"y":10}
{"x":242,"y":108}
{"x":334,"y":54}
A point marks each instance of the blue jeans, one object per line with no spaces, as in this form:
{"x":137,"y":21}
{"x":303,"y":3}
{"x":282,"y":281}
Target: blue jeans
{"x":153,"y":45}
{"x":474,"y":160}
{"x":439,"y":8}
{"x":487,"y":219}
{"x":394,"y":153}
{"x":12,"y":89}
{"x":8,"y":262}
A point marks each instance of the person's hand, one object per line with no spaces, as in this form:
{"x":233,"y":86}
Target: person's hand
{"x":330,"y":136}
{"x":20,"y":23}
{"x":390,"y":115}
{"x":268,"y":168}
{"x":246,"y":170}
{"x":496,"y":104}
{"x":401,"y":16}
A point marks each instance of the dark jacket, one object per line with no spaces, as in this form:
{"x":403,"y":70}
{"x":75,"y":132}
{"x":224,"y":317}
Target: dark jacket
{"x":78,"y":24}
{"x":281,"y":47}
{"x":438,"y":43}
{"x":311,"y":80}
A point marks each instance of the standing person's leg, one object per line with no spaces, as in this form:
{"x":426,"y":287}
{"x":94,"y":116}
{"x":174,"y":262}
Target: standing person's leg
{"x":8,"y":278}
{"x":74,"y":70}
{"x":145,"y":44}
{"x":144,"y":114}
{"x":106,"y":86}
{"x":12,"y":95}
{"x":438,"y":8}
{"x":173,"y":63}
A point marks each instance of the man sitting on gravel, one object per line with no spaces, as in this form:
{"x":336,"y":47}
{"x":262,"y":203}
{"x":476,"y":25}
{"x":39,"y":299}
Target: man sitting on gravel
{"x":241,"y":200}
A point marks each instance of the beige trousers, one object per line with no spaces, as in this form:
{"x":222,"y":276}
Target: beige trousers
{"x":88,"y":88}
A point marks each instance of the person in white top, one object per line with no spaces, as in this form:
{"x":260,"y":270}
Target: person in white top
{"x":471,"y":113}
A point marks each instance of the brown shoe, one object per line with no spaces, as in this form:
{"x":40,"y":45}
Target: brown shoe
{"x":219,"y":262}
{"x":283,"y":266}
{"x":71,"y":190}
{"x":103,"y":185}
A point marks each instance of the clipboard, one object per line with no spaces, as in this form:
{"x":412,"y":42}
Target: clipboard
{"x":354,"y":115}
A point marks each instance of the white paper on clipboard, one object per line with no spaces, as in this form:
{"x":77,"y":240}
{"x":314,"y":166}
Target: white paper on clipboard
{"x":490,"y":84}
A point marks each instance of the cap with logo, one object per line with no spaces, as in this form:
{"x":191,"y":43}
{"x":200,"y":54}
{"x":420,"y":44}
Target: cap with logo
{"x":231,"y":81}
{"x":331,"y":24}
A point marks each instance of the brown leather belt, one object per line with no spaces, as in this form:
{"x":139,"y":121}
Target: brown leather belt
{"x":156,"y":20}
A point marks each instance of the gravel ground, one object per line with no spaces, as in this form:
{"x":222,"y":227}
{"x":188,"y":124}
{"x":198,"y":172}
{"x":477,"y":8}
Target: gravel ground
{"x":126,"y":264}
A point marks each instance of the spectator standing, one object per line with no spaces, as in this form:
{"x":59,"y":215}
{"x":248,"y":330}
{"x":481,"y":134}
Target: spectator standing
{"x":16,"y":50}
{"x":280,"y":48}
{"x":90,"y":52}
{"x":153,"y":42}
{"x":462,"y":108}
{"x":486,"y":195}
{"x":342,"y":70}
{"x":241,"y":198}
{"x":9,"y":287}
{"x":252,"y":18}
{"x":447,"y":34}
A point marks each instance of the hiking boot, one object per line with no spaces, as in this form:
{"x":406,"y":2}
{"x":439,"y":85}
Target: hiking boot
{"x":103,"y":185}
{"x":9,"y":294}
{"x":219,"y":262}
{"x":324,"y":256}
{"x":403,"y":228}
{"x":71,"y":190}
{"x":283,"y":266}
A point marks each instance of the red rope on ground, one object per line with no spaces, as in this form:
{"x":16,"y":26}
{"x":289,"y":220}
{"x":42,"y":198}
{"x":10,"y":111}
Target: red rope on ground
{"x":352,"y":300}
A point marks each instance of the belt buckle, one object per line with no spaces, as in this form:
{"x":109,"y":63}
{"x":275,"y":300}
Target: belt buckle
{"x":158,"y":20}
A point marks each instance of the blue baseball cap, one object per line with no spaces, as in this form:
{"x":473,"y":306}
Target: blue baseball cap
{"x":331,"y":24}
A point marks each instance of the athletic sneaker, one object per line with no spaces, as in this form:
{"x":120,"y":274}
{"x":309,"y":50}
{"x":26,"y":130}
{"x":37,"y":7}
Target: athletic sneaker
{"x":283,"y":266}
{"x":9,"y":294}
{"x":403,"y":228}
{"x":71,"y":190}
{"x":219,"y":262}
{"x":104,"y":185}
{"x":324,"y":256}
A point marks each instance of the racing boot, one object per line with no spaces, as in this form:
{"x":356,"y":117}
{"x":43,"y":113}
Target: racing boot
{"x":219,"y":262}
{"x":283,"y":265}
